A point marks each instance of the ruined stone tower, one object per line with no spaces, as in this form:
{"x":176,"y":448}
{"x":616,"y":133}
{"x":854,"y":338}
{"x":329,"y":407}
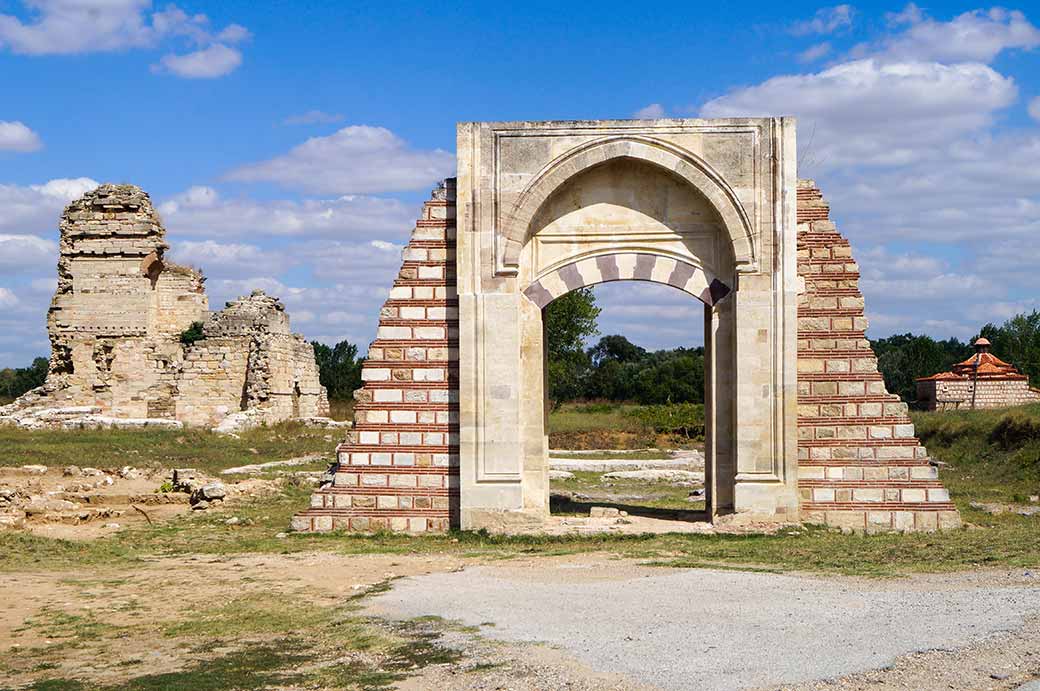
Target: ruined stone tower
{"x":115,"y":327}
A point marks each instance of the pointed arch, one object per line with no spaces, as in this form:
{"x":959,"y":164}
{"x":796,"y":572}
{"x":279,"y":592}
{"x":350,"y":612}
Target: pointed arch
{"x":689,"y":167}
{"x":622,"y":266}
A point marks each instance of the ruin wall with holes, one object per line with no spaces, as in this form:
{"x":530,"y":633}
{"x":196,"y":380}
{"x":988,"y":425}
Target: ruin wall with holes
{"x":115,"y":326}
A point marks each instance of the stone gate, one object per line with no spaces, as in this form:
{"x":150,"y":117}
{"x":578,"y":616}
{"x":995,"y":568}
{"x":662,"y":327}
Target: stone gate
{"x":450,"y":424}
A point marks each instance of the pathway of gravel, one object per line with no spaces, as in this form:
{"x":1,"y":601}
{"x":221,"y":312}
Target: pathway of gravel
{"x":704,"y":629}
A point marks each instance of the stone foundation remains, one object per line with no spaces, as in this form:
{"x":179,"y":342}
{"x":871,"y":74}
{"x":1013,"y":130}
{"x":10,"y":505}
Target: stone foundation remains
{"x":115,"y":326}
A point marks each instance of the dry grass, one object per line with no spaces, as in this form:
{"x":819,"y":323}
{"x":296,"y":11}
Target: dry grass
{"x":982,"y":465}
{"x":191,"y":448}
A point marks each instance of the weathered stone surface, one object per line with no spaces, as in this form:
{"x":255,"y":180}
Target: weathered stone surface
{"x":398,"y":469}
{"x":680,"y":477}
{"x":115,"y":323}
{"x":860,"y":465}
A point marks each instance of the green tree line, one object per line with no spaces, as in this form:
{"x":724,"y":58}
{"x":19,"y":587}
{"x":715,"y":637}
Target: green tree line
{"x":14,"y":381}
{"x":616,"y":369}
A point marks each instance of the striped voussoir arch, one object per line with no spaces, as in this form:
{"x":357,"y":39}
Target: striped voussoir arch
{"x":621,"y":266}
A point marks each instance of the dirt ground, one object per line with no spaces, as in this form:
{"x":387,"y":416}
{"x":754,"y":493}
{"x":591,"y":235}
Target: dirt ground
{"x":108,"y":626}
{"x":77,"y":503}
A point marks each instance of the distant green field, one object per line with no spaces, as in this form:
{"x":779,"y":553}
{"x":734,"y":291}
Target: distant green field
{"x":187,"y":448}
{"x":589,"y":417}
{"x":990,"y":456}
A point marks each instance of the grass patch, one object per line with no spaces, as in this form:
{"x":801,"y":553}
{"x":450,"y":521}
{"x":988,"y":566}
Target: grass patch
{"x":188,"y":448}
{"x":259,"y":640}
{"x":69,"y":630}
{"x":655,"y":495}
{"x":248,"y":615}
{"x":1007,"y":540}
{"x":991,"y":455}
{"x":341,"y":409}
{"x":606,"y":425}
{"x":258,"y":666}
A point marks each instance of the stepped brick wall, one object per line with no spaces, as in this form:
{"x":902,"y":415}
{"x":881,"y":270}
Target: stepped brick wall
{"x":860,"y":465}
{"x":399,"y":468}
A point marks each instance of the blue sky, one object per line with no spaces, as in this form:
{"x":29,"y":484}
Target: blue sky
{"x":288,"y":146}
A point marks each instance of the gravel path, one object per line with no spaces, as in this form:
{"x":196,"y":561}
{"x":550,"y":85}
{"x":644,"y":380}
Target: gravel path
{"x":704,"y":629}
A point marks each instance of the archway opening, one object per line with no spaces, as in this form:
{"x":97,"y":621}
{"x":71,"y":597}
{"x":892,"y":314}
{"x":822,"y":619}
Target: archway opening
{"x":641,"y":234}
{"x":625,"y":399}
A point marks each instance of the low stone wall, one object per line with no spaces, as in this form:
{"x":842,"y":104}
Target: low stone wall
{"x":952,"y":394}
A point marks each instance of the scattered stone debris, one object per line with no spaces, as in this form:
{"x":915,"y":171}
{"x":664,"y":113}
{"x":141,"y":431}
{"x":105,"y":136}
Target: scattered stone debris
{"x":80,"y":502}
{"x":605,"y":512}
{"x":676,"y":477}
{"x":998,"y":508}
{"x":560,"y":475}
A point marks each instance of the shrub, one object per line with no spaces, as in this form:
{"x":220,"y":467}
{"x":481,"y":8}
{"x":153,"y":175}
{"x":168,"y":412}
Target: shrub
{"x":1015,"y":429}
{"x":192,"y":334}
{"x":673,"y":418}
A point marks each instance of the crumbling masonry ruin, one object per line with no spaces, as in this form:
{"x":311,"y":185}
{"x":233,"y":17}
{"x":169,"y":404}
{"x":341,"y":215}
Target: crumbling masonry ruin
{"x":450,"y":423}
{"x":115,"y":327}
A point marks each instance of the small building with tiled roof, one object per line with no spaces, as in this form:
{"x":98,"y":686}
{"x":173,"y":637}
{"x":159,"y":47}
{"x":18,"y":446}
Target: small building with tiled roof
{"x":981,"y":381}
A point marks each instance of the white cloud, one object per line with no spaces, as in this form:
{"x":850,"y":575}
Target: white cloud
{"x":313,"y":117}
{"x":201,"y":211}
{"x":814,"y":53}
{"x":907,"y":147}
{"x":976,"y":36}
{"x":1034,"y":109}
{"x":66,"y":27}
{"x":36,"y":209}
{"x":16,"y":136}
{"x":355,"y":160}
{"x":213,"y":61}
{"x":7,"y":298}
{"x":827,"y":20}
{"x":77,"y":26}
{"x":66,"y":189}
{"x":26,"y":253}
{"x":653,"y":111}
{"x":216,"y":258}
{"x":875,"y":113}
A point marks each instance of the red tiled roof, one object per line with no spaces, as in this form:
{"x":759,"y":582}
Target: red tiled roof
{"x":982,"y":365}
